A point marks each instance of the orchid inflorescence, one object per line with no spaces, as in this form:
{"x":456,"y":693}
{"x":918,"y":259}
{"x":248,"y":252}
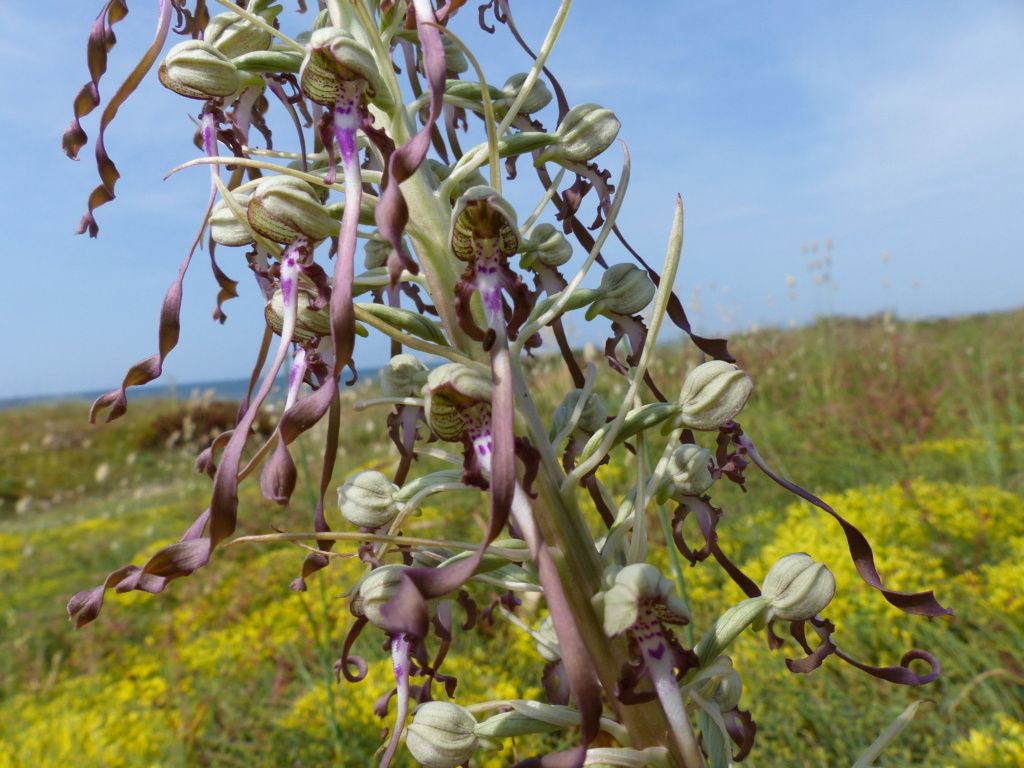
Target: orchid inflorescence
{"x":453,"y":271}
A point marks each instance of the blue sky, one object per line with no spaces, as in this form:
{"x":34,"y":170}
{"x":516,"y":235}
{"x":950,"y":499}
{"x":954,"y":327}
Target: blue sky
{"x":890,"y":128}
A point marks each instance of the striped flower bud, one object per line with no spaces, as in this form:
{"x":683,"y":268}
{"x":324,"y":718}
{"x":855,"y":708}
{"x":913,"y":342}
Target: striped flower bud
{"x":225,"y":227}
{"x":798,"y":588}
{"x":367,"y":499}
{"x":546,"y":244}
{"x":625,"y":290}
{"x":687,"y":473}
{"x":403,"y":376}
{"x":483,"y":226}
{"x":376,"y":253}
{"x":233,"y":36}
{"x":309,"y":322}
{"x":441,"y":735}
{"x":539,"y":96}
{"x":584,"y":133}
{"x":592,"y":417}
{"x":283,"y":208}
{"x":379,"y":586}
{"x":197,"y":70}
{"x":713,"y":393}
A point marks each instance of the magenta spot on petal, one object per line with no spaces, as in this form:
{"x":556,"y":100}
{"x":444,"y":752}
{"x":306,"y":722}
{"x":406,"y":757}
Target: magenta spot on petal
{"x":657,"y":653}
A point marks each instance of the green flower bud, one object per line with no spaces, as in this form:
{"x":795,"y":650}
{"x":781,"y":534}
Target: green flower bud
{"x":309,"y":322}
{"x":798,"y":588}
{"x":539,"y":96}
{"x":547,"y":245}
{"x":592,"y":417}
{"x":451,"y":389}
{"x":584,"y":133}
{"x":403,"y":376}
{"x":455,"y":61}
{"x":483,"y":225}
{"x":549,"y":648}
{"x":337,"y":67}
{"x":635,"y":586}
{"x":367,"y":500}
{"x":197,"y":70}
{"x":730,"y":689}
{"x":687,"y":473}
{"x":225,"y":228}
{"x":713,"y":393}
{"x":377,"y":252}
{"x":234,"y":36}
{"x":625,"y":290}
{"x":379,"y":586}
{"x":441,"y":735}
{"x":283,"y":208}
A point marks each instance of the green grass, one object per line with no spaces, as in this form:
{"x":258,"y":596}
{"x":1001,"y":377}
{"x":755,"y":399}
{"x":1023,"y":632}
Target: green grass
{"x":228,"y":667}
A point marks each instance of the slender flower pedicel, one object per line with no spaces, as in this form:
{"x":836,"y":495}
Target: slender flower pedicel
{"x":376,"y":123}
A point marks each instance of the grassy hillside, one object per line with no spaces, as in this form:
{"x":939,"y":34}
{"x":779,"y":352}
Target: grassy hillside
{"x":912,"y":430}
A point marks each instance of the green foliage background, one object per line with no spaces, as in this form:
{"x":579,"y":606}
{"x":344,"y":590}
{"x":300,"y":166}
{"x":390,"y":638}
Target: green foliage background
{"x":913,"y":431}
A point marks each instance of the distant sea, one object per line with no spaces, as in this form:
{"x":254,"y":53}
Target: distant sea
{"x":230,"y":389}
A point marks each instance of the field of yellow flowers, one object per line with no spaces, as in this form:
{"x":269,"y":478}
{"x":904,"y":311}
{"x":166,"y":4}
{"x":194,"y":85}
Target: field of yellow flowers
{"x":913,"y":431}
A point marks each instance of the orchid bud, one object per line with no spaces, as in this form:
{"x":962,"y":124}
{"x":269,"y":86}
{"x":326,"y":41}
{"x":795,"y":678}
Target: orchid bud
{"x":309,"y":322}
{"x":730,"y":690}
{"x":403,"y":376}
{"x":441,"y":735}
{"x":547,"y":245}
{"x":225,"y":227}
{"x":379,"y":586}
{"x":636,"y":586}
{"x":376,"y":253}
{"x":367,"y":500}
{"x":339,"y":68}
{"x":483,"y":225}
{"x":687,"y":473}
{"x":713,"y":393}
{"x":455,"y":62}
{"x":625,"y":290}
{"x":584,"y":133}
{"x":592,"y":417}
{"x":283,"y":208}
{"x":197,"y":70}
{"x":451,"y":389}
{"x":233,"y":36}
{"x":798,"y":588}
{"x":539,"y":96}
{"x":547,"y":641}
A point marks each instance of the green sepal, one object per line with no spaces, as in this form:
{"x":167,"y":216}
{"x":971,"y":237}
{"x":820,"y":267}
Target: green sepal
{"x":410,"y":322}
{"x":269,"y":61}
{"x":636,"y":421}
